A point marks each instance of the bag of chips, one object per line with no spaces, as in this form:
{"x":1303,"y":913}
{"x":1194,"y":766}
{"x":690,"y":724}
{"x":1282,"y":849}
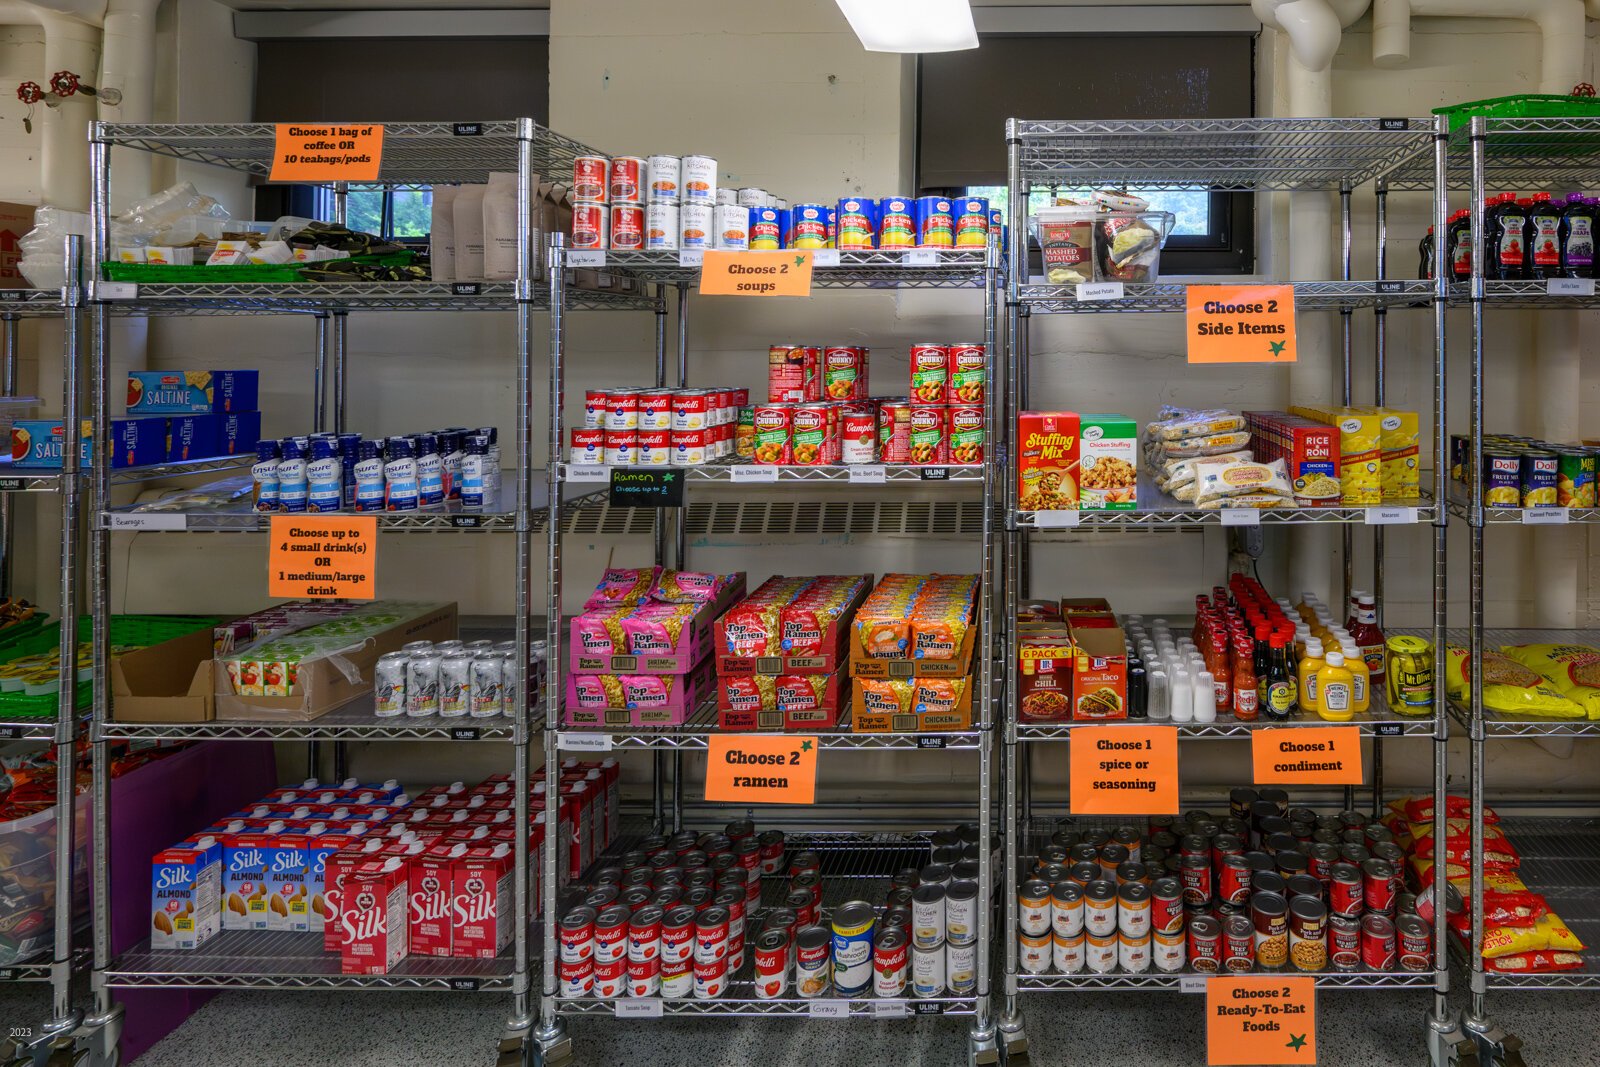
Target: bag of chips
{"x":1509,"y":686}
{"x":1572,"y":669}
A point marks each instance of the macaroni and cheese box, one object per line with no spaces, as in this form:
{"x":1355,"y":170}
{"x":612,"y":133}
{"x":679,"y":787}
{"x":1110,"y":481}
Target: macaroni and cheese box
{"x":182,"y":392}
{"x":1401,"y":475}
{"x":203,"y":436}
{"x":186,"y":894}
{"x":1108,"y":463}
{"x":134,"y":442}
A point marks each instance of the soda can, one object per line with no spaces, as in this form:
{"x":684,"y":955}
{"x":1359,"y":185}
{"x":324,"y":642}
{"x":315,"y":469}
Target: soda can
{"x":695,"y":222}
{"x":927,"y":971}
{"x":627,"y":227}
{"x":732,"y":229}
{"x":590,"y":179}
{"x":808,"y":227}
{"x":971,"y":222}
{"x":664,"y":175}
{"x":591,"y":227}
{"x":486,"y":685}
{"x":936,"y":226}
{"x":627,"y":180}
{"x":389,"y":684}
{"x":455,"y":683}
{"x":699,"y":180}
{"x":661,"y":229}
{"x":422,"y":685}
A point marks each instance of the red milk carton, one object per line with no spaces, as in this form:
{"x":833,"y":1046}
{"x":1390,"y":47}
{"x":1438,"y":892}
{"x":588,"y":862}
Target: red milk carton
{"x":337,"y":870}
{"x":480,"y":904}
{"x":372,"y":918}
{"x":430,"y":899}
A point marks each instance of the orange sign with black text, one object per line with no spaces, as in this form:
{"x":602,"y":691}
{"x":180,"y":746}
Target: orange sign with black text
{"x":761,"y":768}
{"x":1307,"y":755}
{"x":786,"y":273}
{"x":337,"y":152}
{"x":1124,"y":770}
{"x":1241,"y":324}
{"x":1261,"y":1021}
{"x":323,"y":556}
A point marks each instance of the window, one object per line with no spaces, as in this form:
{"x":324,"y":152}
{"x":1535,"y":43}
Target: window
{"x":964,"y":99}
{"x":395,"y":213}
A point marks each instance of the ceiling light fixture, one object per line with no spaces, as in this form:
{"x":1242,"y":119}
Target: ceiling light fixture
{"x":912,"y":25}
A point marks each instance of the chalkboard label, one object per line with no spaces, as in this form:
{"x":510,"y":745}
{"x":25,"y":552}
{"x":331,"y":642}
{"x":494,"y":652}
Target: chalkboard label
{"x":632,"y":487}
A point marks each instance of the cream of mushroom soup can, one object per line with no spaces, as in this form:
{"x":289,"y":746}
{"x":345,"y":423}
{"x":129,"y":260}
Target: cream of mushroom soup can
{"x":664,"y":177}
{"x":927,"y":971}
{"x":961,"y":913}
{"x":961,"y":968}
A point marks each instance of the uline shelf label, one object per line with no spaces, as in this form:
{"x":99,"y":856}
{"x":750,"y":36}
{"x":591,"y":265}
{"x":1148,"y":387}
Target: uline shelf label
{"x":465,"y":733}
{"x":1388,"y":729}
{"x":464,"y":985}
{"x":466,"y":288}
{"x":930,"y":741}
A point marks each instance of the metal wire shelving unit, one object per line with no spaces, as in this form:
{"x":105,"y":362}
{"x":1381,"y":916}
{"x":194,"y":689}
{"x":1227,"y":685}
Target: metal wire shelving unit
{"x":917,"y":506}
{"x":414,"y":153}
{"x":1250,"y":155}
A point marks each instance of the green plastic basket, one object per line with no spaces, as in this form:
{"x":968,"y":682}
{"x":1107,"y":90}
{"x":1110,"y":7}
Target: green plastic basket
{"x":140,"y":630}
{"x":1523,"y":106}
{"x":237,"y":273}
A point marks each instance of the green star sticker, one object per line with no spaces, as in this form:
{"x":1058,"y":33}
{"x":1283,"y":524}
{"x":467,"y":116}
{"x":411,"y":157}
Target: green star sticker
{"x":1277,"y":347}
{"x":668,"y":476}
{"x":805,"y":746}
{"x":1297,"y":1042}
{"x":799,"y":261}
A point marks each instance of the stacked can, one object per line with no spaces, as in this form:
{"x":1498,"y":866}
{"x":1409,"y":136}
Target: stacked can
{"x":591,"y":204}
{"x":946,"y":420}
{"x":657,"y":427}
{"x":453,"y":679}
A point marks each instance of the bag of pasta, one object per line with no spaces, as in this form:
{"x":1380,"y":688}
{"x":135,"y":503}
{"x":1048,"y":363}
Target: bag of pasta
{"x":1265,"y":484}
{"x":1572,"y":669}
{"x":1509,"y":687}
{"x":1173,"y":423}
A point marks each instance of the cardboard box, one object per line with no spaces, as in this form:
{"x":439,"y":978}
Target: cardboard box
{"x":864,"y":666}
{"x":203,"y":436}
{"x":15,"y":222}
{"x":184,"y":392}
{"x":647,"y":706}
{"x":1100,"y":670}
{"x":1046,"y":662}
{"x":1310,"y":450}
{"x":592,"y":650}
{"x":169,"y":682}
{"x":1108,"y":463}
{"x":874,"y":716}
{"x":1047,"y":460}
{"x":135,"y":442}
{"x":826,"y":650}
{"x":800,"y":702}
{"x":324,"y":687}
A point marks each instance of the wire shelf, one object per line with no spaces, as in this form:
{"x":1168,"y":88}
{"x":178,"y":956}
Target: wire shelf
{"x":34,"y":970}
{"x":1377,"y":721}
{"x":1540,"y":153}
{"x":1498,"y":724}
{"x":744,"y":474}
{"x":31,"y":303}
{"x":312,"y":298}
{"x":951,"y":268}
{"x":413,"y":152}
{"x":1561,"y":861}
{"x":25,"y":480}
{"x":1238,"y":154}
{"x":747,"y":518}
{"x":1156,"y":509}
{"x":1460,"y":506}
{"x":29,"y":728}
{"x":697,"y":732}
{"x":1172,"y":297}
{"x":266,"y":959}
{"x":353,"y":722}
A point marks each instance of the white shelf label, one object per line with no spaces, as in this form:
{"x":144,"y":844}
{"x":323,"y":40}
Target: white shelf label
{"x":1191,"y":983}
{"x":825,"y":257}
{"x":1391,"y":516}
{"x":1544,"y":516}
{"x":639,"y":1008}
{"x":1570,"y":287}
{"x":1240,"y":517}
{"x":583,"y":742}
{"x":869,"y":474}
{"x":922,"y":257}
{"x":587,"y":258}
{"x":762,"y":474}
{"x":692,"y":257}
{"x":1100,"y":291}
{"x":149,"y":522}
{"x":889,"y":1009}
{"x":118,"y":291}
{"x":830,"y":1009}
{"x":1055,"y":520}
{"x":588,"y":472}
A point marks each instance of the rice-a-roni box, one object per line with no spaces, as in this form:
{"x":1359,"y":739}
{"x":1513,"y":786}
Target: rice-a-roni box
{"x":1108,"y":463}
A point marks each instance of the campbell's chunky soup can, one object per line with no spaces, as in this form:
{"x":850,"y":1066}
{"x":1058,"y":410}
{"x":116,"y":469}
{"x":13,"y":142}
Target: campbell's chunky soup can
{"x":930,"y":372}
{"x":965,"y":434}
{"x":928,"y":437}
{"x":591,"y":227}
{"x":771,"y":424}
{"x":627,"y":180}
{"x":590,"y":179}
{"x":967,"y":373}
{"x":627,"y":227}
{"x":844,"y":372}
{"x":664,"y":175}
{"x":808,"y":433}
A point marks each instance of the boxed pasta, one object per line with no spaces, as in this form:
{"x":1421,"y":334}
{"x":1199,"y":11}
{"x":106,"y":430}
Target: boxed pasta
{"x":1400,"y":474}
{"x":1108,"y":463}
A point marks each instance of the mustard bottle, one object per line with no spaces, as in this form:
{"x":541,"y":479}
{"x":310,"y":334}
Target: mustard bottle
{"x":1336,"y":689}
{"x":1361,"y":681}
{"x":1310,"y":664}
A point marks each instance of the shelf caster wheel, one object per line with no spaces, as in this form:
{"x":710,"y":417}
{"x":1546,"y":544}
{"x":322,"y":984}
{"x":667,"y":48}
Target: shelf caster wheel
{"x":1451,"y":1046}
{"x":982,"y":1051}
{"x":1013,"y":1039}
{"x":1496,"y":1048}
{"x":553,"y":1047}
{"x":513,"y":1053}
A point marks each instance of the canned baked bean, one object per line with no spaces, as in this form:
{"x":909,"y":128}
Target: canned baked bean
{"x":1344,"y":942}
{"x":1205,"y":944}
{"x":1133,"y":910}
{"x":771,"y":963}
{"x":1303,"y":885}
{"x":627,"y":227}
{"x":588,"y":447}
{"x":663,"y":177}
{"x":927,"y":971}
{"x":1167,"y":951}
{"x":1100,"y":952}
{"x":610,"y":978}
{"x":1378,"y":885}
{"x":1377,"y":942}
{"x":1416,"y":943}
{"x":1238,"y":944}
{"x":576,"y":977}
{"x":1066,"y":908}
{"x":1166,"y":906}
{"x":1308,"y":933}
{"x":591,"y":227}
{"x":1270,"y":913}
{"x":812,"y":964}
{"x":1100,"y":907}
{"x":891,"y":964}
{"x":590,"y":178}
{"x":710,"y":978}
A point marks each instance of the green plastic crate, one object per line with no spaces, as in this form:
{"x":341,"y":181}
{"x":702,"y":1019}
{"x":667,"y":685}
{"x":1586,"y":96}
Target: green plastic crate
{"x":234,"y":273}
{"x":141,"y":630}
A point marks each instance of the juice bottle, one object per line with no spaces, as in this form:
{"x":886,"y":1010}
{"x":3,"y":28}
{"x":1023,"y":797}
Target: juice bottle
{"x":1368,"y":638}
{"x":1360,"y":680}
{"x":1336,"y":686}
{"x":1578,"y":225}
{"x":1310,"y":664}
{"x":1506,"y":232}
{"x":1458,"y":243}
{"x":1544,"y":237}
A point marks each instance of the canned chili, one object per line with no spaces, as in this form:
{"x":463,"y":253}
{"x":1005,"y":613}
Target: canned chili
{"x":1416,"y":943}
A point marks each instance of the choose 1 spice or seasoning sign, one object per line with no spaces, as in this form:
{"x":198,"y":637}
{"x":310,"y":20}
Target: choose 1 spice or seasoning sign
{"x":786,"y":273}
{"x":312,"y":557}
{"x":334,"y":153}
{"x":1241,"y":324}
{"x":1124,"y":770}
{"x":776,"y":769}
{"x":1307,"y":755}
{"x":1261,"y":1021}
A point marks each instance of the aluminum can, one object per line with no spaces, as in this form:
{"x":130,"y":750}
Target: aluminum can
{"x":389,"y":684}
{"x":455,"y":683}
{"x":664,"y":178}
{"x":422,"y":685}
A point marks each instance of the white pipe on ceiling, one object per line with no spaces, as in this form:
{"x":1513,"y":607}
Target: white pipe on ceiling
{"x":128,"y":63}
{"x":1560,"y":22}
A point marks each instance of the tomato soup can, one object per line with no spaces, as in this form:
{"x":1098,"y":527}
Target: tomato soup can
{"x":936,"y":225}
{"x":771,"y":964}
{"x":855,"y":224}
{"x":611,"y":978}
{"x":661,"y":226}
{"x":897,"y":224}
{"x":695,"y":222}
{"x":627,"y":179}
{"x":765,"y":229}
{"x":677,"y":934}
{"x":971,"y":222}
{"x":732,"y":229}
{"x":591,"y":227}
{"x":576,"y":977}
{"x":710,"y":978}
{"x":894,"y":431}
{"x":699,"y":180}
{"x":627,"y":227}
{"x":644,"y":977}
{"x":576,"y":934}
{"x":677,"y":980}
{"x":711,"y":933}
{"x":808,"y":227}
{"x":590,"y":179}
{"x":664,"y":176}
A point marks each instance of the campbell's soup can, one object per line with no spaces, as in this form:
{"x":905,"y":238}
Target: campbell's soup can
{"x":710,"y":978}
{"x":661,"y":227}
{"x":770,"y":425}
{"x":813,"y":969}
{"x":771,"y":851}
{"x":964,"y":434}
{"x":590,"y":179}
{"x":627,"y":227}
{"x":808,"y":227}
{"x":699,"y":180}
{"x":771,"y":963}
{"x":627,"y":180}
{"x":654,"y":448}
{"x":688,"y":447}
{"x":664,"y":176}
{"x":844,"y":372}
{"x":622,"y":409}
{"x":588,"y":446}
{"x":930,"y":444}
{"x":936,"y":224}
{"x":644,"y":933}
{"x":576,"y":935}
{"x":930,"y":372}
{"x":792,"y":372}
{"x":711,"y":933}
{"x":677,"y":935}
{"x":691,"y":409}
{"x":591,"y":227}
{"x":855,"y":224}
{"x":695,"y":222}
{"x":611,"y":978}
{"x":859,"y":438}
{"x":576,"y":977}
{"x":891,"y":964}
{"x":972,"y":222}
{"x":595,"y":403}
{"x":621,"y":450}
{"x":732,"y":228}
{"x":655,"y":409}
{"x":677,"y":980}
{"x":967,"y":372}
{"x":765,"y":229}
{"x":897,"y":224}
{"x":894,"y":431}
{"x":808,"y":433}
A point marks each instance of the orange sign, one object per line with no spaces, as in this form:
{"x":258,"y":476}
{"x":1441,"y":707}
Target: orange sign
{"x":321,"y":556}
{"x":1241,"y":324}
{"x":1261,"y":1020}
{"x":761,"y":768}
{"x":1124,"y":770}
{"x":338,"y":152}
{"x":1307,"y":755}
{"x":785,"y":273}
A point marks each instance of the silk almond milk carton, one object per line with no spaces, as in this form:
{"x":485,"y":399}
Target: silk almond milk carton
{"x":186,"y":894}
{"x":480,"y":902}
{"x":288,"y":862}
{"x":320,"y":851}
{"x":372,"y":918}
{"x":245,"y":859}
